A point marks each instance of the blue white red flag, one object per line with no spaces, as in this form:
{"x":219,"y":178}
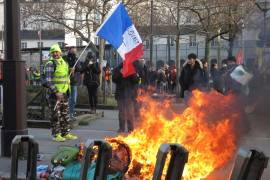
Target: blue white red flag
{"x":119,"y":31}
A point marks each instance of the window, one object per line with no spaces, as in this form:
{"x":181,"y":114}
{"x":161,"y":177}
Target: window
{"x":147,"y":44}
{"x":61,"y":44}
{"x":192,"y":40}
{"x":95,"y":26}
{"x":188,"y":18}
{"x":214,"y":42}
{"x":78,"y":18}
{"x":24,"y":24}
{"x":40,"y":44}
{"x":172,"y":41}
{"x":96,"y":40}
{"x":23,"y":45}
{"x":78,"y":42}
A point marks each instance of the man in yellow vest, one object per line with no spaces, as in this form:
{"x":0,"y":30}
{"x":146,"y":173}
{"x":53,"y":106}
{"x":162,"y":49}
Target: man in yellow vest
{"x":56,"y":72}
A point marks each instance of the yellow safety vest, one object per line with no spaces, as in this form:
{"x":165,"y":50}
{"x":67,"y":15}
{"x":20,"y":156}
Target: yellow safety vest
{"x":61,"y":75}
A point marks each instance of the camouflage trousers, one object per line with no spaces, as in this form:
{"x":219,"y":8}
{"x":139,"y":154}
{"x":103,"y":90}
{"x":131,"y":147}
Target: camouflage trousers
{"x":59,"y":116}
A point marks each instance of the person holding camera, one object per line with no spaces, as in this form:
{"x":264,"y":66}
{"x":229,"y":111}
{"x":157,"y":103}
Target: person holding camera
{"x":71,"y":59}
{"x":91,"y":71}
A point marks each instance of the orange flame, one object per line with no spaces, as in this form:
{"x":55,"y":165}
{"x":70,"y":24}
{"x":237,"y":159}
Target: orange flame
{"x":205,"y":128}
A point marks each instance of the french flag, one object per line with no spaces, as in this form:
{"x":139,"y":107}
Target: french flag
{"x":119,"y":31}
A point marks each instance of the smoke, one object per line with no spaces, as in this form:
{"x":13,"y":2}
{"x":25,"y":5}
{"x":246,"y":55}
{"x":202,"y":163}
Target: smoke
{"x":217,"y":107}
{"x":255,"y":40}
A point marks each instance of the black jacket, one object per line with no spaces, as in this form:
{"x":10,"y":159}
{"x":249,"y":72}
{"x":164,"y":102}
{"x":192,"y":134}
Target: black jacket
{"x":191,"y":78}
{"x":91,"y":73}
{"x":125,"y":87}
{"x":71,"y":60}
{"x":143,"y":73}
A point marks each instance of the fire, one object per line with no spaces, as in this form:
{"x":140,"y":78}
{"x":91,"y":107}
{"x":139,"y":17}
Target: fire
{"x":205,"y":128}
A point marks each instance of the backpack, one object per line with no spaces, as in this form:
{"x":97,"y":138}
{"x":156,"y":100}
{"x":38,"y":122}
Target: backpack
{"x":65,"y":155}
{"x":42,"y":73}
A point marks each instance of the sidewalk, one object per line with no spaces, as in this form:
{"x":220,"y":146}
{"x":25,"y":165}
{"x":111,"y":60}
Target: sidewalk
{"x":97,"y":129}
{"x":258,"y":137}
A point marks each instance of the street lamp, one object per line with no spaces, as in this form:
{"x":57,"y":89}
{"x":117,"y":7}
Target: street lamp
{"x":14,"y":110}
{"x":151,"y":31}
{"x":264,"y":6}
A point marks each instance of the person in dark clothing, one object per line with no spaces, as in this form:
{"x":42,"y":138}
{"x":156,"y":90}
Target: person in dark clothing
{"x":143,"y":73}
{"x":205,"y":74}
{"x":172,"y":78}
{"x":191,"y":76}
{"x":221,"y":77}
{"x":71,"y":59}
{"x":125,"y":94}
{"x":91,"y":71}
{"x":162,"y":79}
{"x":152,"y":76}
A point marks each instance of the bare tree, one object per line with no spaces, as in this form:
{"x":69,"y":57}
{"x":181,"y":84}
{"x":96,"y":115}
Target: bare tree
{"x":219,"y":18}
{"x":235,"y":14}
{"x":82,"y":17}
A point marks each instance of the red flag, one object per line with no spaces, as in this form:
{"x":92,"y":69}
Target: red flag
{"x":240,"y":56}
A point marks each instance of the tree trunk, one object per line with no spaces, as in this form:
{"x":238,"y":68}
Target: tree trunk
{"x":177,"y":55}
{"x":178,"y":68}
{"x":169,"y":49}
{"x":207,"y":49}
{"x":101,"y":58}
{"x":231,"y":45}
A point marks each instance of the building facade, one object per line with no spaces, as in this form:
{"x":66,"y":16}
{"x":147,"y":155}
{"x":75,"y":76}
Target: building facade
{"x":42,"y":34}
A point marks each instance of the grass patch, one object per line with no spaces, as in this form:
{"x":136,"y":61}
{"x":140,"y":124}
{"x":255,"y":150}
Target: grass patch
{"x":85,"y":119}
{"x":83,"y":122}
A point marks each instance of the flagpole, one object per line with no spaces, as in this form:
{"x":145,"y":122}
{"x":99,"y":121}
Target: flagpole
{"x":151,"y":32}
{"x":79,"y":57}
{"x":40,"y":46}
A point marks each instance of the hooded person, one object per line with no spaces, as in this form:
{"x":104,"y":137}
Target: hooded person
{"x":192,"y":76}
{"x":75,"y":75}
{"x":91,"y":70}
{"x":56,"y":72}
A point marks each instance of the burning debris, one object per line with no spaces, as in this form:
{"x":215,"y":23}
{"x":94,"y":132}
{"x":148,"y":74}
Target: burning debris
{"x":207,"y":129}
{"x":121,"y":156}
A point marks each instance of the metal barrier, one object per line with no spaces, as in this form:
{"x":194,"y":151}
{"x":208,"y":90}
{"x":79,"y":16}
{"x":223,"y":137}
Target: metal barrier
{"x":103,"y":159}
{"x":16,"y":147}
{"x":249,"y":165}
{"x":179,"y":157}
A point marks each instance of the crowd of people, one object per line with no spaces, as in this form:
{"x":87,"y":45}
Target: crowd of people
{"x":195,"y":74}
{"x":62,"y":76}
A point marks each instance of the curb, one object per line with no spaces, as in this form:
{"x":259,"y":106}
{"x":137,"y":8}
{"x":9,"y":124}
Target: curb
{"x":83,"y":117}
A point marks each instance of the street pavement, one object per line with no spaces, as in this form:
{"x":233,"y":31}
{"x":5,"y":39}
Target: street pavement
{"x":258,"y":137}
{"x":97,"y":129}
